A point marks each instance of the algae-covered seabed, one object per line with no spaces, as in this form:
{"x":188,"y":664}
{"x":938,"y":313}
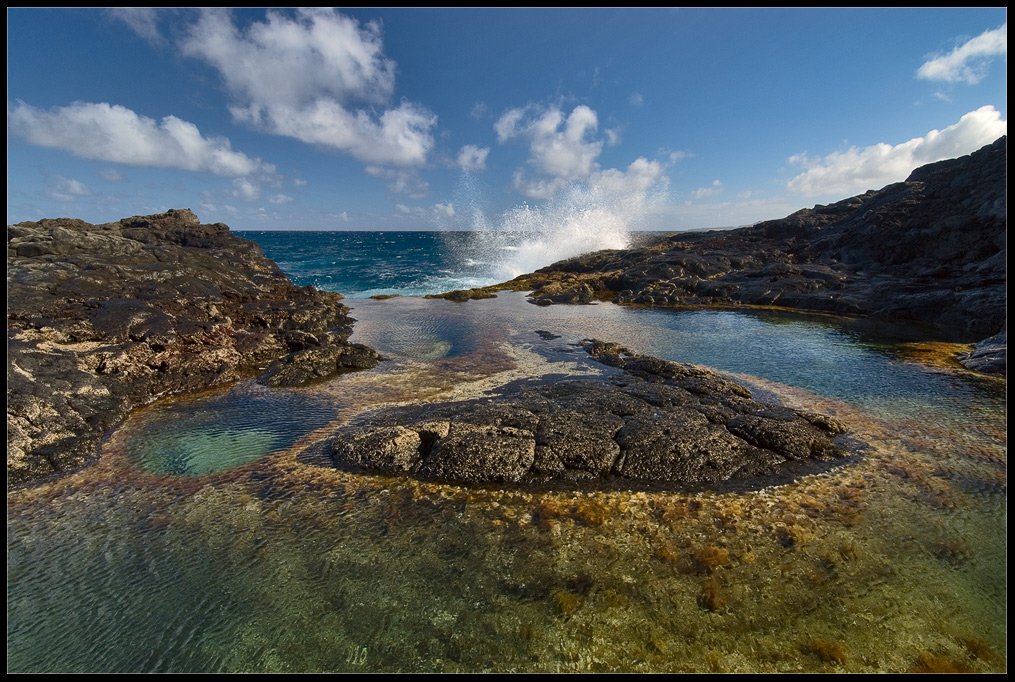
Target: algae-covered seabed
{"x":893,"y":562}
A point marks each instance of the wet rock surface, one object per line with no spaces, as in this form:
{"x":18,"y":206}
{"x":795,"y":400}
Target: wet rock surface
{"x":930,"y":250}
{"x":104,"y":318}
{"x":654,"y":421}
{"x":989,"y":356}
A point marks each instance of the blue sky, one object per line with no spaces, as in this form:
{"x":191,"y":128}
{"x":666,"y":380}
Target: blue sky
{"x":453,"y":119}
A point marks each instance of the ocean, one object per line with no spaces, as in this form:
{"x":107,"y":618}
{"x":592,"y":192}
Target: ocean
{"x":363,"y":264}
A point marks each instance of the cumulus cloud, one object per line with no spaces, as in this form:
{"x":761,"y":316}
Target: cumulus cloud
{"x":245,"y":189}
{"x":66,"y":189}
{"x":473,"y":158}
{"x":860,"y":169}
{"x":969,"y":62}
{"x":612,"y":136}
{"x":448,"y":209}
{"x":715,"y":188}
{"x":143,"y":21}
{"x":110,"y":132}
{"x":636,"y":99}
{"x":317,"y":76}
{"x":641,"y":176}
{"x":559,"y":146}
{"x":110,"y":175}
{"x":539,"y":188}
{"x":280,"y":199}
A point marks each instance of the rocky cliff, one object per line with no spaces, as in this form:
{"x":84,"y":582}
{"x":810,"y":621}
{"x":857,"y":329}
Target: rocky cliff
{"x":104,"y":318}
{"x":930,"y":250}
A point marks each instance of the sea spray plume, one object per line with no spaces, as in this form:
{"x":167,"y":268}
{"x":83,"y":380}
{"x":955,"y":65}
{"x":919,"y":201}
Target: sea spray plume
{"x":590,"y":215}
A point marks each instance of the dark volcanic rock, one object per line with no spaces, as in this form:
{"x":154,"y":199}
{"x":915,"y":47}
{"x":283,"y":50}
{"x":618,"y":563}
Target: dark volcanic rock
{"x":103,"y":318}
{"x":930,"y":250}
{"x":657,"y":421}
{"x":990,"y":355}
{"x":463,"y":295}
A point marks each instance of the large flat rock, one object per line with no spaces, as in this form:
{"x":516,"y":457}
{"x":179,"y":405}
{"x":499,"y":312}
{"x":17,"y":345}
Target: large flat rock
{"x":655,"y":421}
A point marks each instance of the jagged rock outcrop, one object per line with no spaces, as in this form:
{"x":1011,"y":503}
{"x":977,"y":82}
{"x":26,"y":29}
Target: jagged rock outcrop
{"x":655,"y":421}
{"x":104,"y":318}
{"x":930,"y":250}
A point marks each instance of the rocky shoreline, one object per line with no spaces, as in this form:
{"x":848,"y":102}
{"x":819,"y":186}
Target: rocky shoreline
{"x":931,"y":251}
{"x":102,"y":319}
{"x":105,"y":318}
{"x":654,"y":421}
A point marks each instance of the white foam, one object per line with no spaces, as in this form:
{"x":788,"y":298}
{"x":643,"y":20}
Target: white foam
{"x":590,"y":215}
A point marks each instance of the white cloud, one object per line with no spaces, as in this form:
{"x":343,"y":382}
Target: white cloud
{"x":636,"y":99}
{"x":942,"y":96}
{"x":401,"y":180}
{"x":559,"y":147}
{"x":245,"y":189}
{"x":110,"y":132}
{"x":303,"y":75}
{"x":857,"y":170}
{"x":612,"y":136}
{"x":280,"y":199}
{"x":473,"y":158}
{"x":543,"y":188}
{"x":66,"y":189}
{"x":143,"y":21}
{"x":506,"y":126}
{"x":479,"y":110}
{"x":675,"y":156}
{"x":969,"y":62}
{"x":715,"y":188}
{"x":299,"y":182}
{"x":437,"y":214}
{"x":641,"y":176}
{"x":110,"y":175}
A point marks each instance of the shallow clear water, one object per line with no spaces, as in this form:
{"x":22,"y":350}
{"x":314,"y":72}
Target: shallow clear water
{"x":196,"y":436}
{"x":894,"y":563}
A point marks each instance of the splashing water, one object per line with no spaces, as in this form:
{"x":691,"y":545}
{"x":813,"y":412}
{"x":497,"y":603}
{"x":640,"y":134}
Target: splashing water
{"x":473,"y":244}
{"x":587,"y":216}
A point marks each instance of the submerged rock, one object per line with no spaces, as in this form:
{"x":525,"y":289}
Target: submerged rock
{"x":655,"y":421}
{"x":104,"y":318}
